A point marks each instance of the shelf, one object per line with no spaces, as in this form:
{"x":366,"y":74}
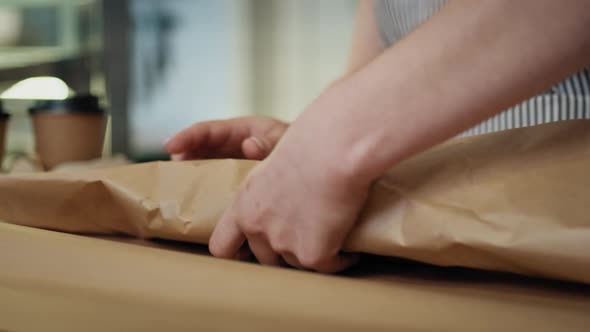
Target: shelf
{"x":29,"y":3}
{"x":16,"y":57}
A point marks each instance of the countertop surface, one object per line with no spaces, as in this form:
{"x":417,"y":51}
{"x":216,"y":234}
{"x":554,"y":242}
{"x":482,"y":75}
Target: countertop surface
{"x":54,"y":281}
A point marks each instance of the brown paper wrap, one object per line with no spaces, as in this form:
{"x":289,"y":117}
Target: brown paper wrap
{"x":513,"y":201}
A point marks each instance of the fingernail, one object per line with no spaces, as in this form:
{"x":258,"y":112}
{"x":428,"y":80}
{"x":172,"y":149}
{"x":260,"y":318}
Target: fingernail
{"x":258,"y":142}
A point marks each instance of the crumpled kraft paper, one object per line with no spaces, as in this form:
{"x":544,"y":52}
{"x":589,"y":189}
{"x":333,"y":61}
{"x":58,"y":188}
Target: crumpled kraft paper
{"x":515,"y":201}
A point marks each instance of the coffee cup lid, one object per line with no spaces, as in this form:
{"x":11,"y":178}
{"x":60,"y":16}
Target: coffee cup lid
{"x":86,"y":103}
{"x":3,"y":115}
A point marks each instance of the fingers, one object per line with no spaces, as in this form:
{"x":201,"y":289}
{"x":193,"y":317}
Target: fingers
{"x":338,"y":263}
{"x":292,"y":260}
{"x":255,"y":148}
{"x":227,"y":238}
{"x":244,"y":254}
{"x":209,"y":139}
{"x":258,"y":147}
{"x":188,"y":139}
{"x":263,"y":251}
{"x":248,"y":137}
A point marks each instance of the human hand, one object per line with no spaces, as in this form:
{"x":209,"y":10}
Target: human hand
{"x":251,"y":137}
{"x":292,"y":209}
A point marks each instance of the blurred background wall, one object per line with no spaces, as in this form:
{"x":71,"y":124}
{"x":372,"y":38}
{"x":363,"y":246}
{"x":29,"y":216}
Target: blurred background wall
{"x":161,"y":65}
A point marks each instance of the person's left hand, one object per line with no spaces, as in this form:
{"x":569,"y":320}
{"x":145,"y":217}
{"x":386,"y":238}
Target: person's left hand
{"x":291,"y":210}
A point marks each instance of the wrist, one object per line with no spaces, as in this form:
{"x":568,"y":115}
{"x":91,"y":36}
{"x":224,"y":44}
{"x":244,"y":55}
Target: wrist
{"x":337,"y":145}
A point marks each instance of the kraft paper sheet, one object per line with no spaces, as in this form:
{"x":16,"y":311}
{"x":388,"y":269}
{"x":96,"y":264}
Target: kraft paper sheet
{"x":516,"y":201}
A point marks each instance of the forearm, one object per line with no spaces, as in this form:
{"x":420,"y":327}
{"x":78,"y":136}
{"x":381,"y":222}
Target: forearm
{"x":470,"y":61}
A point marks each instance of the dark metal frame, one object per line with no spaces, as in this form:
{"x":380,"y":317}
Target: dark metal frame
{"x":117,"y":38}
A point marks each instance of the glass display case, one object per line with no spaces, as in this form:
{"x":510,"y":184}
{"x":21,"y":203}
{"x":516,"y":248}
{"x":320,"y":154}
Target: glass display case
{"x":49,"y":36}
{"x":44,"y":43}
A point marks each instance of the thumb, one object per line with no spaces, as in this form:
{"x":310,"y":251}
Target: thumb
{"x":256,"y":148}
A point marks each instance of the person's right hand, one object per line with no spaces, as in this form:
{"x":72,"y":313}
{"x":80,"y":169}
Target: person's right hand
{"x":251,"y":137}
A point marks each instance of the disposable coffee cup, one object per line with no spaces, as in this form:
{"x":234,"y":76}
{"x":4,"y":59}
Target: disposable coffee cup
{"x":68,"y":130}
{"x":4,"y":117}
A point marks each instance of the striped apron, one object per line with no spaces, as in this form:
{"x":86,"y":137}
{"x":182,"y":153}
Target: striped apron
{"x":568,"y":100}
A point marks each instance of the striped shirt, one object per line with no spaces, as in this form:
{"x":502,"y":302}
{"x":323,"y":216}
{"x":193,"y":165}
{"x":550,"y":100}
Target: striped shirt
{"x":568,"y":100}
